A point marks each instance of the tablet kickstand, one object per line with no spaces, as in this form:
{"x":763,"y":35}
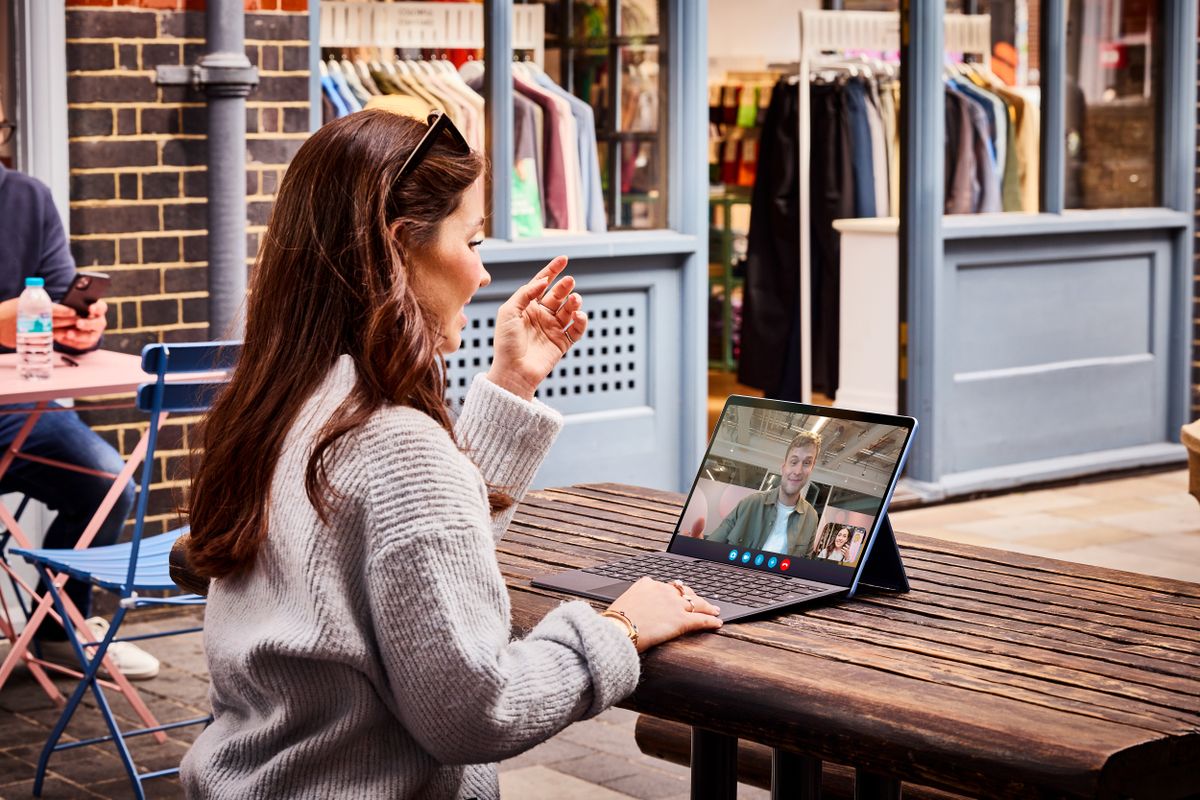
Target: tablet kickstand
{"x":884,"y":569}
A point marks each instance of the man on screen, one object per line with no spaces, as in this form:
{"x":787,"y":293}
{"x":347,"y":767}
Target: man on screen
{"x":778,"y":520}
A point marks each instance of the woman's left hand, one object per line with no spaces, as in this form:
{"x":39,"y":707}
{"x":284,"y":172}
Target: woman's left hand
{"x":534,"y":329}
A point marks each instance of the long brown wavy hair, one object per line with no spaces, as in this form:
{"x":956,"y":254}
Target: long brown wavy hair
{"x":332,"y":277}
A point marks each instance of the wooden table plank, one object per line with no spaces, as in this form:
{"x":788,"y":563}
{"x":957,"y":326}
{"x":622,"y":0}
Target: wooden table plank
{"x":998,"y":675}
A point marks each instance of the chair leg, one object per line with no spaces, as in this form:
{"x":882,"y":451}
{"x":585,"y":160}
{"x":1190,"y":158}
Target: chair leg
{"x":126,"y":688}
{"x":90,"y":669}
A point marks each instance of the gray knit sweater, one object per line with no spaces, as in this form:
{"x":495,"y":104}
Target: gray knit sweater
{"x":372,"y":657}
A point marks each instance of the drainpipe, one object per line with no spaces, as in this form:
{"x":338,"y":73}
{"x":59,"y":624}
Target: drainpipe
{"x":225,"y":76}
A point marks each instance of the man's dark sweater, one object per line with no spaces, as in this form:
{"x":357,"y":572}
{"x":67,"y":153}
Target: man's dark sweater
{"x":32,"y":240}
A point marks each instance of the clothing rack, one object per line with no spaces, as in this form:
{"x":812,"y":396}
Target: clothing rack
{"x":426,"y":26}
{"x":837,"y":32}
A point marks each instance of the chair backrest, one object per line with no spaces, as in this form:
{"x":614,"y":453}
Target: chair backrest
{"x":163,"y":360}
{"x":212,"y":361}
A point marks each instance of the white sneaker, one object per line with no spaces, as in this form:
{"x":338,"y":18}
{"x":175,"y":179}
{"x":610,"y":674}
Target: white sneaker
{"x":134,"y":662}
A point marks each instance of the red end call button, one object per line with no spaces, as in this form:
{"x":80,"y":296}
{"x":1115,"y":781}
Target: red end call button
{"x":783,"y":565}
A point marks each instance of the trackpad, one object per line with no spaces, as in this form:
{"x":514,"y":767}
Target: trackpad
{"x":612,"y":591}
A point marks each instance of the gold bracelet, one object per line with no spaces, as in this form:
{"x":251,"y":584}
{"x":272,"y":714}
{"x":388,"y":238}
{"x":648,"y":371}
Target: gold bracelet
{"x":624,"y":619}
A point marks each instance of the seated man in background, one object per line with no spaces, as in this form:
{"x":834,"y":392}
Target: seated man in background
{"x":778,"y":520}
{"x":35,"y":245}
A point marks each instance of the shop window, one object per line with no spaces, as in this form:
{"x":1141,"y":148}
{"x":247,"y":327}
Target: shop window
{"x":609,"y":53}
{"x":1112,"y":91}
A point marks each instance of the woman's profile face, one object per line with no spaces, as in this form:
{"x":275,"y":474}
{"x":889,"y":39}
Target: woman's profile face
{"x":446,"y":276}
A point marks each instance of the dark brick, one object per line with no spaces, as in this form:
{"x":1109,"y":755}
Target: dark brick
{"x":270,"y":119}
{"x":185,"y":279}
{"x":93,"y":252}
{"x":252,"y":242}
{"x":135,"y":282}
{"x":185,"y":152}
{"x":187,"y":335}
{"x":295,"y":59}
{"x":160,"y":184}
{"x":274,"y":27}
{"x":171,"y":95}
{"x":159,"y":120}
{"x":195,"y":248}
{"x":273,"y":151}
{"x":160,"y":250}
{"x":253,"y":178}
{"x":127,"y":250}
{"x":258,"y":212}
{"x":90,"y":155}
{"x":270,"y":58}
{"x":114,"y":24}
{"x":127,"y":56}
{"x":89,"y":122}
{"x":195,"y":119}
{"x":252,"y":120}
{"x":160,"y":312}
{"x":187,"y":25}
{"x":193,"y":52}
{"x":163,"y":500}
{"x":129,"y":343}
{"x":88,"y":57}
{"x":112,"y":317}
{"x":154,"y":55}
{"x":195,"y":309}
{"x":114,"y":219}
{"x":92,"y":186}
{"x":128,"y":315}
{"x":281,"y":88}
{"x":170,"y":437}
{"x":185,"y":217}
{"x":111,"y":89}
{"x":195,"y":183}
{"x":128,"y":185}
{"x":295,"y":120}
{"x":270,"y":181}
{"x":126,"y":121}
{"x":253,"y":54}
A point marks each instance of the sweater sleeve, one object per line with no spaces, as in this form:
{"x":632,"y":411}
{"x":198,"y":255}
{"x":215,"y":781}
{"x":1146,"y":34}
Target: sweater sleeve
{"x":464,"y":690}
{"x":507,"y":438}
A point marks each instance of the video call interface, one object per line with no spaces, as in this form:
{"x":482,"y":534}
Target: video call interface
{"x":792,"y":493}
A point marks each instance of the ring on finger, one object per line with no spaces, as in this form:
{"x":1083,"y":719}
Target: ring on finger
{"x":691,"y":605}
{"x":678,"y":584}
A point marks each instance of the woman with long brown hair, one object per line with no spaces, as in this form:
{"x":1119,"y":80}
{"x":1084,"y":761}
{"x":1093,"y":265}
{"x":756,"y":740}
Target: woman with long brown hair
{"x":358,"y":630}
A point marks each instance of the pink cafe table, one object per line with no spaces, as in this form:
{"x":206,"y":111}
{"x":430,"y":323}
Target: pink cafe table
{"x":101,"y":372}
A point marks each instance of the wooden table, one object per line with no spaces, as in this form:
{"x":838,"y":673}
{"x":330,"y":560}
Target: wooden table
{"x":998,"y":675}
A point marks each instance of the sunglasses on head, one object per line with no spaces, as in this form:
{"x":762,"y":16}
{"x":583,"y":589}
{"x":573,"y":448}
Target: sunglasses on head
{"x":439,"y":123}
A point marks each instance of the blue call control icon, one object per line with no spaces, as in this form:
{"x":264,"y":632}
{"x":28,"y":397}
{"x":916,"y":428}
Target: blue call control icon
{"x":772,"y":562}
{"x":746,"y":557}
{"x":758,"y":559}
{"x":733,"y":554}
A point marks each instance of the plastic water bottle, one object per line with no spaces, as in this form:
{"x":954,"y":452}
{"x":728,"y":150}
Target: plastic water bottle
{"x":35,"y":331}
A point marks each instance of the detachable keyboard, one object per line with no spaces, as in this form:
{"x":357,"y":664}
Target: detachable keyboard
{"x":711,"y":580}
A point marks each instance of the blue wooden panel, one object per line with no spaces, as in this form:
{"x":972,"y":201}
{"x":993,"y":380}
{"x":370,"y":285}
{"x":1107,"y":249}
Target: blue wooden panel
{"x":1028,"y":415}
{"x":1060,"y":346}
{"x":619,"y":388}
{"x":1026,"y":313}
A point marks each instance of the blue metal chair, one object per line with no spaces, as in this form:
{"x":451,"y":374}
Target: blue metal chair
{"x":141,"y":564}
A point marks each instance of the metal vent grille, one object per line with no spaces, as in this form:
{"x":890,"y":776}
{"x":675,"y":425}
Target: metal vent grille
{"x":605,"y":370}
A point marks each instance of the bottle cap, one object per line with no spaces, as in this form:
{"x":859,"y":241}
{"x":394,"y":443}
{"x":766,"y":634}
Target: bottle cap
{"x":35,"y":281}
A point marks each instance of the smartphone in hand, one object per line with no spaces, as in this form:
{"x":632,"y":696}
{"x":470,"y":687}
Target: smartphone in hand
{"x":86,"y":289}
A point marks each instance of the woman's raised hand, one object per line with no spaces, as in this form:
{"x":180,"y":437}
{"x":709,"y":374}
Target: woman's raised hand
{"x":663,"y":611}
{"x":535,"y":328}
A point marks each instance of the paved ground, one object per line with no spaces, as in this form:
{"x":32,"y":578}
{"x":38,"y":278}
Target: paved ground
{"x":1145,"y":524}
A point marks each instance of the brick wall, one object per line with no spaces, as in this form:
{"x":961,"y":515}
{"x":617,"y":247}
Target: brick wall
{"x":137,"y":155}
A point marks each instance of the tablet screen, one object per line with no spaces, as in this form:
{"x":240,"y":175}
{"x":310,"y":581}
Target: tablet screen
{"x":793,"y":489}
